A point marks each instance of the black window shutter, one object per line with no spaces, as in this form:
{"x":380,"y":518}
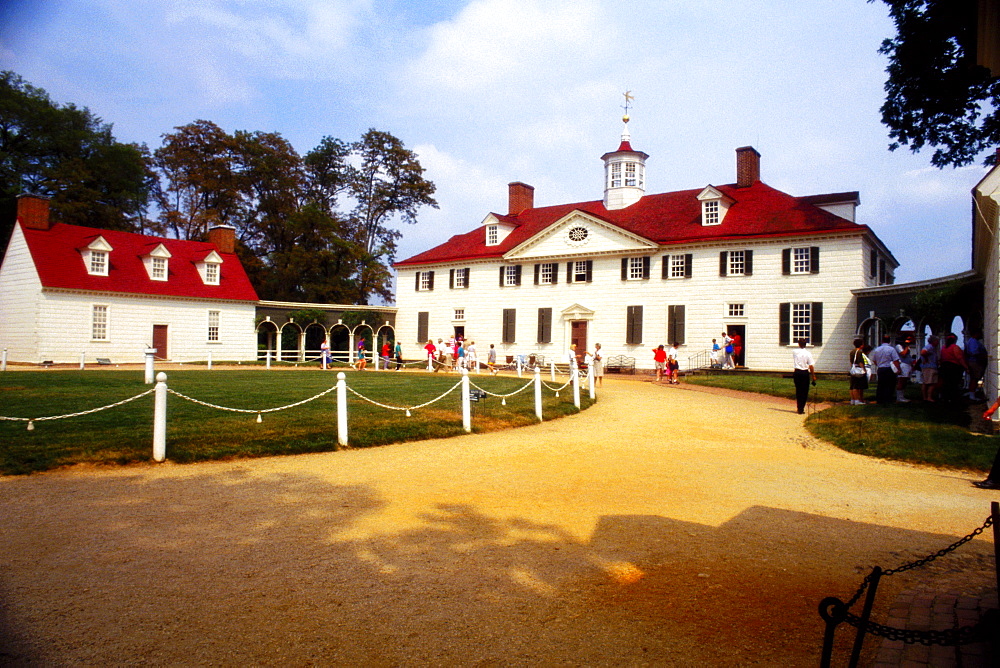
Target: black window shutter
{"x":590,"y":270}
{"x":517,"y":274}
{"x":624,"y":268}
{"x":538,"y":269}
{"x":417,"y":288}
{"x":422,"y":319}
{"x":688,"y":261}
{"x":569,"y":271}
{"x":873,"y":263}
{"x":503,"y":270}
{"x":666,"y":267}
{"x":675,"y":328}
{"x":451,"y":279}
{"x":816,"y":336}
{"x":748,"y":263}
{"x":430,"y":280}
{"x":633,"y":325}
{"x":814,"y":259}
{"x":466,"y":272}
{"x":784,"y":323}
{"x":544,"y":325}
{"x":645,"y":267}
{"x":723,"y":263}
{"x":509,"y":324}
{"x":786,"y":261}
{"x":555,"y":272}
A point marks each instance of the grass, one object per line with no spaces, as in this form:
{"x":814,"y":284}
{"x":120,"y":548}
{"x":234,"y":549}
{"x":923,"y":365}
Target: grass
{"x":123,"y":435}
{"x":917,"y":433}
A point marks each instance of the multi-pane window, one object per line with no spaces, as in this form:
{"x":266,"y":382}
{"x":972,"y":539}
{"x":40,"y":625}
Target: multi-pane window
{"x":616,"y":174}
{"x":630,"y":178}
{"x":800,"y":261}
{"x":213,"y":325}
{"x":425,"y":280}
{"x":212,"y":273}
{"x":461,"y":276}
{"x":737,"y":263}
{"x":459,"y":314}
{"x":579,"y":271}
{"x":737,"y":310}
{"x":159,"y":272}
{"x":678,"y":266}
{"x":710,"y":212}
{"x":802,"y":321}
{"x":635,"y":268}
{"x":492,"y":235}
{"x":99,"y":263}
{"x":512,"y":275}
{"x":99,"y":323}
{"x":546,"y":273}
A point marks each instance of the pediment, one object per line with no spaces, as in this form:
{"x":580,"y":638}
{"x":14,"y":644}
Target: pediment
{"x":99,"y":244}
{"x":579,"y":233}
{"x":577,"y":312}
{"x":213,"y":258}
{"x":160,"y":251}
{"x":710,"y":192}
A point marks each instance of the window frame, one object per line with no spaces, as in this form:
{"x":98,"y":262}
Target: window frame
{"x":102,"y":323}
{"x":492,"y":235}
{"x":214,"y":330}
{"x":97,"y":263}
{"x":212,"y":273}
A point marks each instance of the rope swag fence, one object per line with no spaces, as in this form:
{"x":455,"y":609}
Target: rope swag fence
{"x":835,"y":612}
{"x":468,"y":392}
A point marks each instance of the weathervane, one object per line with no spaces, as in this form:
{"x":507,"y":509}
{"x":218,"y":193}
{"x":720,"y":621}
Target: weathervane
{"x":628,"y":98}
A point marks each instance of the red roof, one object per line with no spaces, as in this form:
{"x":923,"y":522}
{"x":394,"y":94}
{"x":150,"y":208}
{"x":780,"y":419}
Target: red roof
{"x":60,"y":264}
{"x":758,"y":211}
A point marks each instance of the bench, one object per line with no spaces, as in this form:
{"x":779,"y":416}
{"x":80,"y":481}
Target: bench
{"x":104,"y":361}
{"x":620,"y":364}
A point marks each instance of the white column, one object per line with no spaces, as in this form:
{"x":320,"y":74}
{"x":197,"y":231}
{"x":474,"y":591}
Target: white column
{"x":160,"y":418}
{"x":149,"y":365}
{"x":341,"y":408}
{"x":466,"y":404}
{"x":538,"y":393}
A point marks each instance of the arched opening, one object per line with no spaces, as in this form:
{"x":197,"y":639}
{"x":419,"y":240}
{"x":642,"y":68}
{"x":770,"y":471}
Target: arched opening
{"x":385,"y":336}
{"x":368,"y":334}
{"x":291,"y":341}
{"x":871,"y":331}
{"x":315,"y":335}
{"x":340,"y":344}
{"x":267,"y":339}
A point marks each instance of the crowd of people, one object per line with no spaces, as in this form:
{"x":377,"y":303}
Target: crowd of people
{"x":945,"y":371}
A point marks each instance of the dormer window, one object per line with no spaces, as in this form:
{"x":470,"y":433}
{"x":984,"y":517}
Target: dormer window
{"x":156,"y":263}
{"x":492,"y":235}
{"x":95,"y":257}
{"x":714,"y":205}
{"x":208,"y":268}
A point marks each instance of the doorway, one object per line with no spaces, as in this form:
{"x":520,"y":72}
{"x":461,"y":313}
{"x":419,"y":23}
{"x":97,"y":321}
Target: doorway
{"x":460,"y":332}
{"x":578,"y":337}
{"x":738,"y":333}
{"x":160,"y":341}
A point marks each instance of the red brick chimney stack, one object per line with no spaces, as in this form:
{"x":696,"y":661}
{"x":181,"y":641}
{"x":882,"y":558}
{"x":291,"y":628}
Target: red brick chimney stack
{"x":747,"y":166}
{"x":223,"y":237}
{"x":521,"y":196}
{"x":33,"y":212}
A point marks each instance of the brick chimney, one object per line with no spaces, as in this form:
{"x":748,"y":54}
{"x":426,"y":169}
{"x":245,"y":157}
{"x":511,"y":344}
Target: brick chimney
{"x":223,"y":237}
{"x":33,"y":212}
{"x":521,"y":196}
{"x":747,"y":166}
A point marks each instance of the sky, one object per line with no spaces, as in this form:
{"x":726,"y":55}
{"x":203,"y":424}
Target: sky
{"x":487,"y":92}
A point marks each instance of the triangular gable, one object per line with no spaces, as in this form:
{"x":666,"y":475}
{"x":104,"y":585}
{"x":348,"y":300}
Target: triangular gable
{"x":711,"y":192}
{"x":99,"y":243}
{"x":577,"y":312}
{"x":159,"y":251}
{"x":579,"y":233}
{"x":212,"y":257}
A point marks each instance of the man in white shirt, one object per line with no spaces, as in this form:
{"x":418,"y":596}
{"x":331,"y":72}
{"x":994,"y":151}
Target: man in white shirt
{"x":886,"y":361}
{"x":805,"y":370}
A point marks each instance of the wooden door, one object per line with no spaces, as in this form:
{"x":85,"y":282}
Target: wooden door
{"x":160,"y":341}
{"x":578,"y":336}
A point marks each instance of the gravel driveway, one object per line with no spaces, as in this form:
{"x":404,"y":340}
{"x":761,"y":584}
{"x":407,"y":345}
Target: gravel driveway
{"x":663,"y":526}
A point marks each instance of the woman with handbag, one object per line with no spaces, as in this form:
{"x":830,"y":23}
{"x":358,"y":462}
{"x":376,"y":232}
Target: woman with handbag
{"x":859,"y":373}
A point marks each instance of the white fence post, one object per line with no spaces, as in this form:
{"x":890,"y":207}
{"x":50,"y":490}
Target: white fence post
{"x":575,"y":377}
{"x":341,"y":408}
{"x":538,"y":392}
{"x":552,"y":368}
{"x":209,"y":360}
{"x":268,"y":358}
{"x":3,"y":361}
{"x":149,"y":365}
{"x":466,"y":404}
{"x":160,"y":418}
{"x":590,"y":380}
{"x":430,"y":362}
{"x":518,"y":357}
{"x":83,"y":359}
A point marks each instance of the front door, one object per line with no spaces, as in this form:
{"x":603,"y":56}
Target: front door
{"x":739,"y":335}
{"x":160,"y":341}
{"x":578,"y":336}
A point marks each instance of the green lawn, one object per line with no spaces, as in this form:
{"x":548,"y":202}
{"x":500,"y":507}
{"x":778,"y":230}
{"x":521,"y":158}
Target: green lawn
{"x":916,"y":432}
{"x":124,"y":434}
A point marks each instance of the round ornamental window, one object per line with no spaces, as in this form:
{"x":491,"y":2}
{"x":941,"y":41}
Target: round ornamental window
{"x":577,"y":235}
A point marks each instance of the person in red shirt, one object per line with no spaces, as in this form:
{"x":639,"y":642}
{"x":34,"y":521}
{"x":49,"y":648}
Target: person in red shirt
{"x":431,"y":353}
{"x":659,"y":361}
{"x":951,"y":368}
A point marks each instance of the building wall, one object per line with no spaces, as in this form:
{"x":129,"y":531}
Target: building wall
{"x":706,"y":296}
{"x":19,"y":288}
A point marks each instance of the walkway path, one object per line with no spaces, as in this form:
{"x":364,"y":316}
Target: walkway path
{"x":664,"y":526}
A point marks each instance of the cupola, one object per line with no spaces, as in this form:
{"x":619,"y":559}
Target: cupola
{"x":624,"y":173}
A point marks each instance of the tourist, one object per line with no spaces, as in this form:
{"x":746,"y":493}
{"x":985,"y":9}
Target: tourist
{"x":993,"y":479}
{"x":727,"y":348}
{"x":385,"y":356}
{"x":324,"y":353}
{"x":491,"y":360}
{"x":930,"y":382}
{"x":716,"y":354}
{"x":804,"y":370}
{"x":431,"y":354}
{"x":598,"y":365}
{"x":362,"y":356}
{"x":398,"y":353}
{"x":975,"y":358}
{"x":659,"y":361}
{"x":886,"y":361}
{"x":737,"y":350}
{"x":907,"y":358}
{"x":951,"y":367}
{"x":673,"y":364}
{"x":471,"y":362}
{"x":859,"y":373}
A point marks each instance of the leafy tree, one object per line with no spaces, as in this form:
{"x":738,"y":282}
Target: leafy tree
{"x":936,"y":94}
{"x":70,"y":155}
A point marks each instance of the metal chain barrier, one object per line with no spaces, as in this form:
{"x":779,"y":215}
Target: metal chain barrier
{"x":404,"y":408}
{"x":959,"y":636}
{"x":250,"y":410}
{"x":31,"y":421}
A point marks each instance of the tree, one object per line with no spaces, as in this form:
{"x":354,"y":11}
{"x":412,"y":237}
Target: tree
{"x":70,"y":155}
{"x":389,"y":183}
{"x":936,"y":93}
